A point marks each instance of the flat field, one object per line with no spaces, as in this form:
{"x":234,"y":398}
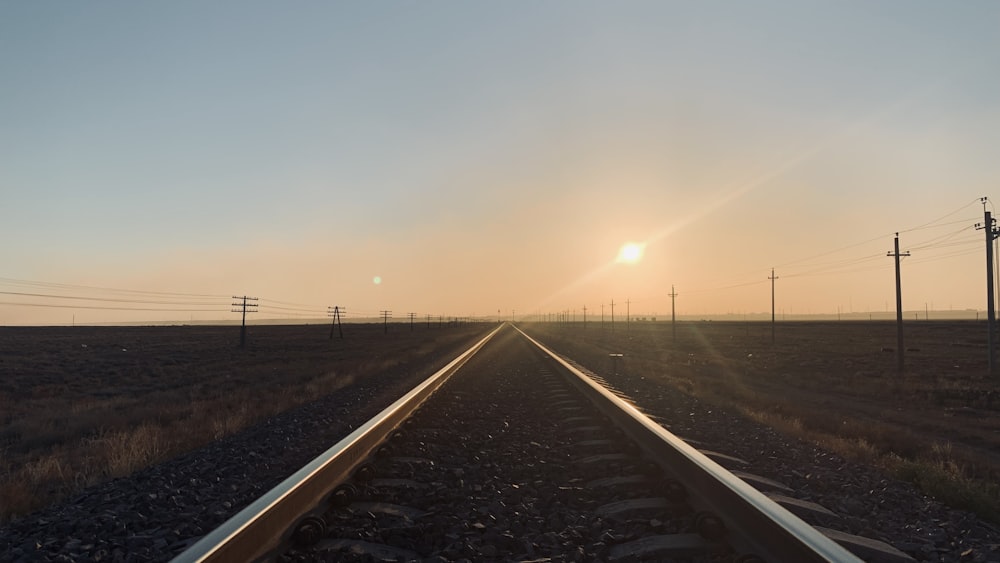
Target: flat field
{"x":936,"y":424}
{"x":79,"y":405}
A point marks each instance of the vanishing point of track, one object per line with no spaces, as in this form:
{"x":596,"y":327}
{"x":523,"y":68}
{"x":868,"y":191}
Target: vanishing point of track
{"x":510,"y":453}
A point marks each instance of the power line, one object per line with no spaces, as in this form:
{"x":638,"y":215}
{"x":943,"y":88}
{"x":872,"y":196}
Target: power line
{"x":928,"y":224}
{"x":930,"y":243}
{"x":103,"y":308}
{"x":955,"y":254}
{"x":291,"y":304}
{"x":757,"y":282}
{"x":54,"y":285}
{"x":946,"y":215}
{"x":104,"y":299}
{"x":316,"y":311}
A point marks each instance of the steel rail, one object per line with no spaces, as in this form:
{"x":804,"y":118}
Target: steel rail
{"x":763,"y":527}
{"x":257,"y":530}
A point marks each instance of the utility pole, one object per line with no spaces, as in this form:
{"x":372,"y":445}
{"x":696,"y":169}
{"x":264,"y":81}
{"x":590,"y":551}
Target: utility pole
{"x":335,"y":312}
{"x":428,"y":321}
{"x":673,"y":312}
{"x":602,"y":316}
{"x":991,"y":233}
{"x":612,"y":315}
{"x":772,"y":277}
{"x":246,"y":305}
{"x":385,"y":321}
{"x":628,"y":315}
{"x":584,"y":316}
{"x":411,"y":321}
{"x":899,"y":305}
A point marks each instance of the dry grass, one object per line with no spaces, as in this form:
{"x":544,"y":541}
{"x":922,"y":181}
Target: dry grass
{"x":832,"y":384}
{"x":74,"y":415}
{"x":117,"y":453}
{"x":939,"y":474}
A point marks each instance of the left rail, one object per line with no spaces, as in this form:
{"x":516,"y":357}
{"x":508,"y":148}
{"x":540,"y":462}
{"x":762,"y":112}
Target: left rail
{"x":264,"y":525}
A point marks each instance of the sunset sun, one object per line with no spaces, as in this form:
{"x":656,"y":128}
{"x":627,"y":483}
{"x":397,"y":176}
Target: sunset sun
{"x":630,"y":253}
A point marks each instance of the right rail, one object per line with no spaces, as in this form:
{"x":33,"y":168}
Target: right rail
{"x":767,"y":529}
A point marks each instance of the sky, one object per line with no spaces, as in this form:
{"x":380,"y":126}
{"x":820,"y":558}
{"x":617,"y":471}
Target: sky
{"x":464,"y":158}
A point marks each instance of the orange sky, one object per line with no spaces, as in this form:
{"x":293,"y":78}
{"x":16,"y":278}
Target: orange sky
{"x":482,"y":158}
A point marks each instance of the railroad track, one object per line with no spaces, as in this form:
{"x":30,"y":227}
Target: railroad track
{"x":510,"y":453}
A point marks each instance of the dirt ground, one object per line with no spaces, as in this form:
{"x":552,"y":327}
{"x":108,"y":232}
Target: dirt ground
{"x":76,"y":403}
{"x":838,"y":378}
{"x":79,"y":405}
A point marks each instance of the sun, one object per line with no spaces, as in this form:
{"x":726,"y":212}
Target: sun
{"x":630,"y":253}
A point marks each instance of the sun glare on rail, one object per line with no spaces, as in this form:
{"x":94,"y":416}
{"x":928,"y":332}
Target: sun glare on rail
{"x":630,"y":253}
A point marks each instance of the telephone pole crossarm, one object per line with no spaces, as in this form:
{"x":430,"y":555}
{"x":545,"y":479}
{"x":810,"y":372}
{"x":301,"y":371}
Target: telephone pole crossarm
{"x":244,"y":304}
{"x":336,"y":311}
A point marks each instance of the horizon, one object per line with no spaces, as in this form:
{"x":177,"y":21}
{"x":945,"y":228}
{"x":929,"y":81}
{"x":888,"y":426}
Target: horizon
{"x":564,"y":318}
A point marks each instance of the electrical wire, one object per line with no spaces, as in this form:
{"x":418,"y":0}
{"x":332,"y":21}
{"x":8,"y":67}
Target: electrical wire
{"x":954,"y":254}
{"x":104,"y":299}
{"x":291,"y":304}
{"x":929,"y":224}
{"x":53,"y":285}
{"x":105,"y":308}
{"x":945,"y":216}
{"x":302,"y":310}
{"x":727,"y":287}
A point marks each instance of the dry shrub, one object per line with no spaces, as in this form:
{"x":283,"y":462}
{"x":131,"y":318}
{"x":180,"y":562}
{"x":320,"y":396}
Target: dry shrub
{"x":46,"y":469}
{"x":41,"y":478}
{"x":944,"y":480}
{"x":118,"y":453}
{"x":775,"y":420}
{"x":229,"y":422}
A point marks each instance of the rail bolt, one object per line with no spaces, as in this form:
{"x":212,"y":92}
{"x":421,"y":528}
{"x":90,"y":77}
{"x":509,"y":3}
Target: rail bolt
{"x":309,"y":531}
{"x":343,"y":495}
{"x":364,"y":474}
{"x":709,"y":526}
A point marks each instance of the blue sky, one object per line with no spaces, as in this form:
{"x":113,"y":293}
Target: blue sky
{"x":494,"y":156}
